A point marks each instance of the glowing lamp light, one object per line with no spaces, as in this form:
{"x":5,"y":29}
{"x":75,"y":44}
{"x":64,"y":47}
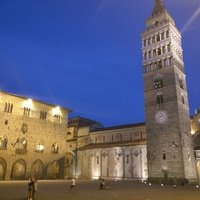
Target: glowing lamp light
{"x":197,"y":186}
{"x":149,"y":184}
{"x":162,"y":184}
{"x":56,"y":111}
{"x":28,"y":103}
{"x":192,"y":132}
{"x":40,"y":147}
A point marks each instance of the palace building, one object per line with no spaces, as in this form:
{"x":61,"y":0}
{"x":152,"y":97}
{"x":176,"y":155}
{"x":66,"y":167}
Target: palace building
{"x":32,"y":138}
{"x":37,"y":138}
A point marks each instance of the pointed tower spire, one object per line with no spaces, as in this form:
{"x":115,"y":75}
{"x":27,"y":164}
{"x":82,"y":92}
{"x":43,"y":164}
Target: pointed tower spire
{"x":158,"y":8}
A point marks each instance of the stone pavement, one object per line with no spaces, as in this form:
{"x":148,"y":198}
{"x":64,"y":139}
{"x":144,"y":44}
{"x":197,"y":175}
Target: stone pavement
{"x":88,"y":190}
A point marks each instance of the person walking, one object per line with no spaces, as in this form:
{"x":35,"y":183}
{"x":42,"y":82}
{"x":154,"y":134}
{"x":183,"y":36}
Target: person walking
{"x":30,"y":188}
{"x":73,"y":183}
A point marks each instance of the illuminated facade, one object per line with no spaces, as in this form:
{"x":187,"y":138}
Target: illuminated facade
{"x":117,"y":152}
{"x":32,"y":138}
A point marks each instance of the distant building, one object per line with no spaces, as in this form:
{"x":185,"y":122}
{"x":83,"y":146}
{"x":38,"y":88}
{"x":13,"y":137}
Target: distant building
{"x":32,"y":138}
{"x":195,"y":122}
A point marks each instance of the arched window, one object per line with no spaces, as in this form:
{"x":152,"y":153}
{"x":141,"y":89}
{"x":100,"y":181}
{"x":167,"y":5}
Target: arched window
{"x":182,"y":99}
{"x":149,"y":54}
{"x":160,"y":64}
{"x":154,"y":53}
{"x":168,"y":47}
{"x":162,"y":36}
{"x":181,"y":84}
{"x":3,"y":142}
{"x":145,"y":56}
{"x":160,"y":98}
{"x":158,"y":83}
{"x":8,"y":107}
{"x":144,"y":43}
{"x":159,"y":51}
{"x":54,"y":148}
{"x":163,"y":49}
{"x":158,"y":38}
{"x":153,"y":39}
{"x":149,"y":41}
{"x":167,"y":33}
{"x":21,"y":146}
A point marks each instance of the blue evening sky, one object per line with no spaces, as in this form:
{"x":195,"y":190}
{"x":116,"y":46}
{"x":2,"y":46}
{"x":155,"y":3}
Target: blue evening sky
{"x":86,"y":54}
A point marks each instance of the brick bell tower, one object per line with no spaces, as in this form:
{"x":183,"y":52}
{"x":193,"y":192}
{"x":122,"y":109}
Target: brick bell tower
{"x":169,"y":143}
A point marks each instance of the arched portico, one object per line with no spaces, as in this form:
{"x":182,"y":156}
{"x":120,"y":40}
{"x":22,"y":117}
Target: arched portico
{"x":18,"y":170}
{"x":37,"y":169}
{"x":3,"y":167}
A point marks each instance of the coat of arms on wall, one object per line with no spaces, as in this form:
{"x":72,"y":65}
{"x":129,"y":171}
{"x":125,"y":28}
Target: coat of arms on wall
{"x":24,"y":128}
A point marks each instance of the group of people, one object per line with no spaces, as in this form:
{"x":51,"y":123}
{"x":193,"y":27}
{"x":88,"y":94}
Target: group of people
{"x":32,"y":187}
{"x":103,"y":184}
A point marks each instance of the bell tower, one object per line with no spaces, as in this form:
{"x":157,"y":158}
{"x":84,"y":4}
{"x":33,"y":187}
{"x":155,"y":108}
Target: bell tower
{"x":169,"y":143}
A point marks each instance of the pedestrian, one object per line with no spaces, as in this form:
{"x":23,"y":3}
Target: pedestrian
{"x":102,"y":184}
{"x":35,"y":184}
{"x":30,"y":188}
{"x":175,"y":182}
{"x":73,"y":183}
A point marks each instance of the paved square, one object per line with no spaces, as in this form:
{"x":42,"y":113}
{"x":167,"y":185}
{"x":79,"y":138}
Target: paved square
{"x":86,"y":190}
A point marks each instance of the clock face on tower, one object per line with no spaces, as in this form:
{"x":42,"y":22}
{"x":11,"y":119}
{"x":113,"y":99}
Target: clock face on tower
{"x":161,"y":116}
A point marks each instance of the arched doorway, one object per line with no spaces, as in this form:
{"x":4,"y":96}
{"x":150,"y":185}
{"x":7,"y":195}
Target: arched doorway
{"x":3,"y":167}
{"x":53,"y":170}
{"x":18,"y":170}
{"x":49,"y":171}
{"x":198,"y":170}
{"x":70,"y":163}
{"x":37,"y":169}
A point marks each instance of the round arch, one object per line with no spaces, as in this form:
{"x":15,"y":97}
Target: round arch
{"x":3,"y":167}
{"x":37,"y":169}
{"x":18,"y":170}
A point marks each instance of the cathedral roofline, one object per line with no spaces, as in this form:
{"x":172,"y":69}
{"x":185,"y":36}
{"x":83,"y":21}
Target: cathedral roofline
{"x":113,"y":144}
{"x":120,"y":127}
